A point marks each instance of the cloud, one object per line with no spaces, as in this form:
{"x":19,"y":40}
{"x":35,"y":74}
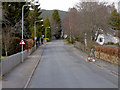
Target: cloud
{"x":65,"y":4}
{"x":57,"y":4}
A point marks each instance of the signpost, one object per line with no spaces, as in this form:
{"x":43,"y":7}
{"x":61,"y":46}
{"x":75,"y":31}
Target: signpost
{"x":22,"y":42}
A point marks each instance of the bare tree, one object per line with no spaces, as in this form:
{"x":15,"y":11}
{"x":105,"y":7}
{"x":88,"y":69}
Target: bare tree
{"x":6,"y":39}
{"x":88,"y":18}
{"x":54,"y":26}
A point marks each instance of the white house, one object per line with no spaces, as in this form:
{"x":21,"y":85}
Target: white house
{"x":105,"y":38}
{"x":65,"y":36}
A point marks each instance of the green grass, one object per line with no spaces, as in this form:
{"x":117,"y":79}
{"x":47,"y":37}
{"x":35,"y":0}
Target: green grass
{"x":1,"y":78}
{"x":3,"y":57}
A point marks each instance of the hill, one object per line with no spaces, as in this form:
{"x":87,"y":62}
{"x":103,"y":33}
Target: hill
{"x":49,"y":13}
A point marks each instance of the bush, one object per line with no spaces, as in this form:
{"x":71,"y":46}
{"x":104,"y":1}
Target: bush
{"x":91,"y":44}
{"x":15,"y":47}
{"x":29,"y":44}
{"x":108,"y":50}
{"x":68,"y":39}
{"x":109,"y":43}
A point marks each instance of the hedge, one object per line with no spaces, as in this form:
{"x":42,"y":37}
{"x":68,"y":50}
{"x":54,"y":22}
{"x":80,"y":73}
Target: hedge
{"x":15,"y":47}
{"x":29,"y":44}
{"x":108,"y":50}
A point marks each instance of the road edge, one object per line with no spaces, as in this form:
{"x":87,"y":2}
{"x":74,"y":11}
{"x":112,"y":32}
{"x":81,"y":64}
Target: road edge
{"x":33,"y":71}
{"x":111,"y":71}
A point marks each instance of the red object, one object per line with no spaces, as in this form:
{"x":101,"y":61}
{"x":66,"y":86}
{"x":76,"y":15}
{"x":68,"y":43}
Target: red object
{"x":29,"y":44}
{"x":88,"y":58}
{"x":22,"y":42}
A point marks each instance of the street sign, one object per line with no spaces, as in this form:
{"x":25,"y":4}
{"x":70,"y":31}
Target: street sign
{"x":22,"y":42}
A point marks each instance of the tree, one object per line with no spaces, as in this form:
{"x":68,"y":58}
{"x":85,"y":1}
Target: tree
{"x":12,"y":12}
{"x":32,"y":17}
{"x":88,"y":18}
{"x":6,"y":40}
{"x":12,"y":15}
{"x":56,"y":24}
{"x":114,"y":21}
{"x":11,"y":22}
{"x":46,"y":25}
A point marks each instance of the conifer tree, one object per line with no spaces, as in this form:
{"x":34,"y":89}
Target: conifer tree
{"x":47,"y":26}
{"x":57,"y":24}
{"x":114,"y":21}
{"x":34,"y":16}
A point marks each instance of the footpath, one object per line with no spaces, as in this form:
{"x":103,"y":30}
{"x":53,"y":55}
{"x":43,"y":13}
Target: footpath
{"x":112,"y":68}
{"x":20,"y":76}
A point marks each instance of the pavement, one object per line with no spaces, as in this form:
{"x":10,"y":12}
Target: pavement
{"x":100,"y":63}
{"x":63,"y":66}
{"x":19,"y":76}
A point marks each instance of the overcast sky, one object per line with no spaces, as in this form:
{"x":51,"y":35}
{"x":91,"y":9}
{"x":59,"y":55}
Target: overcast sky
{"x":61,"y":4}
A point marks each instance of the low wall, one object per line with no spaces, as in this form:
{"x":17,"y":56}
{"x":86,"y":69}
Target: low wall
{"x":79,"y":45}
{"x":109,"y":54}
{"x":12,"y":61}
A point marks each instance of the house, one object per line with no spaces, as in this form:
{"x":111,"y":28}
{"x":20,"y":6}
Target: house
{"x":105,"y":38}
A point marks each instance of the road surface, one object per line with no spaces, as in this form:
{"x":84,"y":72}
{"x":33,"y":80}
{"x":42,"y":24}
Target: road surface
{"x":60,"y":67}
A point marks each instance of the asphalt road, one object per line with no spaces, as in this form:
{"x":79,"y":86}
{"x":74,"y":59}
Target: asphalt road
{"x":60,"y":67}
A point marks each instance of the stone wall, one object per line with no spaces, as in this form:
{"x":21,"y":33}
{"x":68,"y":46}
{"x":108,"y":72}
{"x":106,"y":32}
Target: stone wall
{"x":109,"y":54}
{"x":79,"y":45}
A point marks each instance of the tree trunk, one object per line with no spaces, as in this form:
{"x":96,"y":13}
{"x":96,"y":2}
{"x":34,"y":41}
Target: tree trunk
{"x":6,"y":50}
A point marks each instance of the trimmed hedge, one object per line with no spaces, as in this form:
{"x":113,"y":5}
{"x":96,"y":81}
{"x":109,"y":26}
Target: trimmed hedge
{"x":29,"y":44}
{"x":108,"y":50}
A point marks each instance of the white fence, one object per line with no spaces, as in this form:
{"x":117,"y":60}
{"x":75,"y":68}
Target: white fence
{"x":12,"y":61}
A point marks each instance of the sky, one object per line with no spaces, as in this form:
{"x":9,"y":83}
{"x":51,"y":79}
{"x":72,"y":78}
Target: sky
{"x":63,"y":4}
{"x":57,"y":4}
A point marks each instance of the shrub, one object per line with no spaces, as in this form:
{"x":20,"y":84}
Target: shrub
{"x":15,"y":47}
{"x":29,"y":44}
{"x":108,"y":50}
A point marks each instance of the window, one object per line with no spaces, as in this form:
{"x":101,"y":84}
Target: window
{"x":101,"y":40}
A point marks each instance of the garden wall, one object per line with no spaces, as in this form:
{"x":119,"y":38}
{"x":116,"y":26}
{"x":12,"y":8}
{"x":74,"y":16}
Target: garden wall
{"x":109,"y":54}
{"x":12,"y":61}
{"x":79,"y":45}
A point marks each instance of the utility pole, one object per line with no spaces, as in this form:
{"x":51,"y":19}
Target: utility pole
{"x":119,"y":7}
{"x":46,"y":34}
{"x":35,"y":34}
{"x":70,"y":28}
{"x":85,"y":41}
{"x":23,"y":22}
{"x":23,"y":26}
{"x":119,"y":14}
{"x":1,"y":33}
{"x":35,"y":31}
